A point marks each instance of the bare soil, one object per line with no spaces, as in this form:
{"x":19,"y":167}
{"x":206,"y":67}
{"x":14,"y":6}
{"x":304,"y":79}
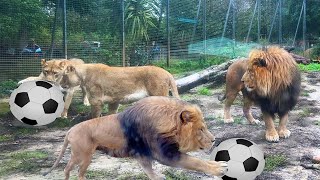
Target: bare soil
{"x":298,"y":149}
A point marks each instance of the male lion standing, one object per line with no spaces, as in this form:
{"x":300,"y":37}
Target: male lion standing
{"x":154,"y":129}
{"x":273,"y":75}
{"x":118,"y":85}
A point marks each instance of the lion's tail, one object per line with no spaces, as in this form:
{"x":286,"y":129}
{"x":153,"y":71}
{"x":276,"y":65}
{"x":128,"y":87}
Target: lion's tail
{"x":174,"y":89}
{"x":221,"y":98}
{"x":63,"y":150}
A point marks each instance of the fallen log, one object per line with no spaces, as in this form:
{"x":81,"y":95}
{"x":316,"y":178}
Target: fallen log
{"x":213,"y":73}
{"x":300,"y":59}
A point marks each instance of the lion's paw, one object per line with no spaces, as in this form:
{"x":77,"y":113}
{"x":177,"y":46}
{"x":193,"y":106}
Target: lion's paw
{"x":218,"y":168}
{"x":255,"y":121}
{"x":272,"y":136}
{"x":284,"y":133}
{"x":86,"y":102}
{"x":230,"y":120}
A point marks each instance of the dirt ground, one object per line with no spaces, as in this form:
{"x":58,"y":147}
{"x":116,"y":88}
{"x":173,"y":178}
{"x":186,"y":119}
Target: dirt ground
{"x":296,"y":151}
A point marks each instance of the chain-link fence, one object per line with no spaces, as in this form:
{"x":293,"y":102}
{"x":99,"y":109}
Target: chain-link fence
{"x":139,"y":32}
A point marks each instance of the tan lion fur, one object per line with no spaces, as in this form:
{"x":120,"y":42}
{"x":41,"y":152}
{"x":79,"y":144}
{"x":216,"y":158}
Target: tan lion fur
{"x":53,"y":71}
{"x":159,"y":129}
{"x":273,"y":81}
{"x":118,"y":85}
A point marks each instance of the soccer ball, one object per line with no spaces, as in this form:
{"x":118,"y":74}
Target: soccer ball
{"x":244,"y":158}
{"x":36,"y":103}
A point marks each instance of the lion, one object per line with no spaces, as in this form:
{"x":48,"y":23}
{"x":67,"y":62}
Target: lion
{"x":53,"y":71}
{"x":155,"y":128}
{"x":274,"y":79}
{"x":233,"y":86}
{"x":118,"y":85}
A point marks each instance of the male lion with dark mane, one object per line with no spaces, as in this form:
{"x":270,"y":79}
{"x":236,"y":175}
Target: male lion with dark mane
{"x":271,"y":80}
{"x":155,"y":128}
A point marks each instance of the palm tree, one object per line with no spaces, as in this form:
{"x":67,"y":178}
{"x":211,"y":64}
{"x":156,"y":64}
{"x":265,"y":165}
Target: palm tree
{"x":139,"y":18}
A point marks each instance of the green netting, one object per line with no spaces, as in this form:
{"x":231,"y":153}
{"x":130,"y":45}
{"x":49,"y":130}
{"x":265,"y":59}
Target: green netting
{"x":222,"y":47}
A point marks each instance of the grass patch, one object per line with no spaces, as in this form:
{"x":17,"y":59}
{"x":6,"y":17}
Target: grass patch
{"x":26,"y":161}
{"x":309,"y":67}
{"x":181,"y":66}
{"x":61,"y":123}
{"x":4,"y":108}
{"x":22,"y":131}
{"x":98,"y":174}
{"x":204,"y":91}
{"x":6,"y":137}
{"x":304,"y":93}
{"x":130,"y":176}
{"x":304,"y":113}
{"x":274,"y":161}
{"x":176,"y":175}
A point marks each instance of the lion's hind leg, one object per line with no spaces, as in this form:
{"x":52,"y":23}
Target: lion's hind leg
{"x":282,"y":129}
{"x":230,"y":97}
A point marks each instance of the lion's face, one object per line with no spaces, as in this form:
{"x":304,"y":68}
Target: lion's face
{"x":69,"y":78}
{"x":53,"y":70}
{"x":194,"y":132}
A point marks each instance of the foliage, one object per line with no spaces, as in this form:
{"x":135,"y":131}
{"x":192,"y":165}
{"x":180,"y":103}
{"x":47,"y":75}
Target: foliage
{"x":310,"y":67}
{"x":204,"y":91}
{"x":179,"y":66}
{"x":315,"y":53}
{"x":6,"y":87}
{"x":274,"y":161}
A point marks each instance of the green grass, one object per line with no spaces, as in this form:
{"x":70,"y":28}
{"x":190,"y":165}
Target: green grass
{"x":6,"y":87}
{"x":131,"y":176}
{"x":25,"y":161}
{"x":4,"y":108}
{"x":310,"y":67}
{"x":275,"y":161}
{"x":204,"y":91}
{"x":98,"y":174}
{"x":181,"y":66}
{"x":6,"y":137}
{"x":176,"y":175}
{"x":305,"y":112}
{"x":61,"y":123}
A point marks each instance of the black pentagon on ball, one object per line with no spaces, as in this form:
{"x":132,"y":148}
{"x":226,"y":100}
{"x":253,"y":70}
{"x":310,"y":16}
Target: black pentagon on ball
{"x":50,"y":106}
{"x":222,"y":156}
{"x":251,"y":164}
{"x":22,"y":99}
{"x":44,"y":84}
{"x":29,"y":121}
{"x":244,"y":142}
{"x":225,"y":177}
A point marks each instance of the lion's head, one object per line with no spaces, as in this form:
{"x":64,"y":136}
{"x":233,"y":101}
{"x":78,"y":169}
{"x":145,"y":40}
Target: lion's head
{"x":194,"y":134}
{"x":53,"y":70}
{"x":269,"y":71}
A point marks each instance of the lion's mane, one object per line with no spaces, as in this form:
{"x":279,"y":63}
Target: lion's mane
{"x":276,"y":77}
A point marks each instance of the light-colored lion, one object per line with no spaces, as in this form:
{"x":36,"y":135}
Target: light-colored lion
{"x":53,"y":71}
{"x":273,"y":78}
{"x":118,"y":85}
{"x":159,"y":129}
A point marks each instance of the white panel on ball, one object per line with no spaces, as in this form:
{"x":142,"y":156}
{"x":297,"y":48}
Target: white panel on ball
{"x":33,"y":110}
{"x":39,"y":94}
{"x":25,"y":87}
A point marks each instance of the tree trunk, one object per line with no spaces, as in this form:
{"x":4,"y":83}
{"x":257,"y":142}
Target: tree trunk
{"x":213,"y":73}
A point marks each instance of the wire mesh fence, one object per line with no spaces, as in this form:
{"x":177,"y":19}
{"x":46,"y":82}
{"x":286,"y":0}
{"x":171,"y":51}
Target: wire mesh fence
{"x":140,"y":32}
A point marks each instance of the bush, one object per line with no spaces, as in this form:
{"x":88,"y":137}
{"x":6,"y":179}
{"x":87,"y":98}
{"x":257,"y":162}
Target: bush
{"x":6,"y":87}
{"x":315,"y":53}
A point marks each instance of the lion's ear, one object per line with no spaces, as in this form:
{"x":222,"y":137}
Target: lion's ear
{"x":186,"y":116}
{"x":260,"y":62}
{"x":43,"y":63}
{"x":70,"y":69}
{"x":62,"y":64}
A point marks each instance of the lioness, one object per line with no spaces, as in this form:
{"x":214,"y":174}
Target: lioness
{"x":274,"y":79}
{"x":159,"y":129}
{"x":116,"y":85}
{"x":233,"y":86}
{"x":53,"y":71}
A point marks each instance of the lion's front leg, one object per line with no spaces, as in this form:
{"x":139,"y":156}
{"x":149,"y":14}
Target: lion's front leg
{"x":271,"y":132}
{"x":282,"y":129}
{"x":68,"y":100}
{"x":209,"y":167}
{"x":146,"y":165}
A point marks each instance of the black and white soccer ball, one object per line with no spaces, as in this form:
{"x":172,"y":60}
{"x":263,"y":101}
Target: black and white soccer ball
{"x":36,"y":103}
{"x":245,"y":159}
